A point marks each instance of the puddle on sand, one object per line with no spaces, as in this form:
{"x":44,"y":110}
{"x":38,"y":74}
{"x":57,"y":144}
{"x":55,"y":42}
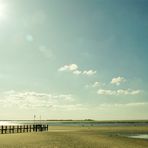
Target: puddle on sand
{"x":140,"y":136}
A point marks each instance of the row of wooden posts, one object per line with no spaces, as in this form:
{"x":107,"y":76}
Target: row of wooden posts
{"x":23,"y":128}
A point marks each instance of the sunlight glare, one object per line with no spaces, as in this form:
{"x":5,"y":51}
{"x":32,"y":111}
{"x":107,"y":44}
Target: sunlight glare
{"x":2,"y":11}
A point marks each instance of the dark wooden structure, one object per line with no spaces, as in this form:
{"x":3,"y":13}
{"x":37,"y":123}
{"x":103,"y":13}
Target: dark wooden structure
{"x":9,"y":129}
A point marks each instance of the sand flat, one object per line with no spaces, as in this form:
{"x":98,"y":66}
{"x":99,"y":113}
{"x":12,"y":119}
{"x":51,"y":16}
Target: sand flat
{"x":76,"y":137}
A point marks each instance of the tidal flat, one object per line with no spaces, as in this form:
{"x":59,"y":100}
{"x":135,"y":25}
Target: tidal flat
{"x":78,"y":137}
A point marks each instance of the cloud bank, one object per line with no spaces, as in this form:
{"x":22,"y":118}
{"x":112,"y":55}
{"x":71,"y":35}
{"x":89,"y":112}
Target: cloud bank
{"x":34,"y":100}
{"x":118,"y":92}
{"x":118,"y":105}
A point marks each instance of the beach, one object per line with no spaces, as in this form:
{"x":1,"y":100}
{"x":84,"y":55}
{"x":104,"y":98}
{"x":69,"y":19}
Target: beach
{"x":77,"y":137}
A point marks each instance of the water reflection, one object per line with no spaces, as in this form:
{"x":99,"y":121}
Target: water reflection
{"x":140,"y":136}
{"x":7,"y":123}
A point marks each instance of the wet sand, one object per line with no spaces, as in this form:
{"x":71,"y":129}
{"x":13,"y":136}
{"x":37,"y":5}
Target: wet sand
{"x":77,"y":137}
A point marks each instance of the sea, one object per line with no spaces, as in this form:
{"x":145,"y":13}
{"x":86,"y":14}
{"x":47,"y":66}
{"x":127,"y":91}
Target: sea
{"x":74,"y":123}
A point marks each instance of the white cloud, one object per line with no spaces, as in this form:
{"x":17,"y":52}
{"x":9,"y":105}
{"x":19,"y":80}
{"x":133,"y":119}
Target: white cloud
{"x":71,"y":67}
{"x":135,"y":92}
{"x":106,"y":92}
{"x":118,"y":80}
{"x":89,"y":72}
{"x":33,"y":100}
{"x":96,"y":84}
{"x":75,"y":70}
{"x":118,"y":92}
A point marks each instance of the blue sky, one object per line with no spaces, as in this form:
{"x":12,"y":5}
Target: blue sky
{"x":73,"y":59}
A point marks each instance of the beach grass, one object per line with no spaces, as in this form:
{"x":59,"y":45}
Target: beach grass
{"x":77,"y":137}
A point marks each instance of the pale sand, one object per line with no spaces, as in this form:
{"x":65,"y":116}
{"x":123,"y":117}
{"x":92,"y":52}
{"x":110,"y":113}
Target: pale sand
{"x":76,"y":137}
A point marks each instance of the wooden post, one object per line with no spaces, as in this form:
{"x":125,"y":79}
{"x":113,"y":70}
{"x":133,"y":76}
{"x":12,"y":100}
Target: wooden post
{"x":30,"y":128}
{"x":20,"y":128}
{"x":5,"y":129}
{"x":17,"y":128}
{"x":2,"y":129}
{"x":9,"y":129}
{"x":33,"y":128}
{"x":24,"y":128}
{"x":27,"y":128}
{"x":12,"y":129}
{"x":36,"y":128}
{"x":41,"y":127}
{"x":47,"y":127}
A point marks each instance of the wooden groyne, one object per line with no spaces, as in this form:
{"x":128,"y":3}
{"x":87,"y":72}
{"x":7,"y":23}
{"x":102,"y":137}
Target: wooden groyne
{"x":9,"y":129}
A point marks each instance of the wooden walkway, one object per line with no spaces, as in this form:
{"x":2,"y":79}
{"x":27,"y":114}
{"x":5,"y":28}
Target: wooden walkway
{"x":9,"y":129}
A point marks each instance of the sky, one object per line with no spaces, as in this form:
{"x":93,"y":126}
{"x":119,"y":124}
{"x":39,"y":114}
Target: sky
{"x":74,"y":59}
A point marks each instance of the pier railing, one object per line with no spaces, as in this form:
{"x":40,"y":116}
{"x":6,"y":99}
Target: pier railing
{"x":9,"y":129}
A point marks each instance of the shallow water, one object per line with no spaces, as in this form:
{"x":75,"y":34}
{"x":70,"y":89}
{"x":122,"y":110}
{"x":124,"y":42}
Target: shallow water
{"x":140,"y":136}
{"x":73,"y":123}
{"x":7,"y":123}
